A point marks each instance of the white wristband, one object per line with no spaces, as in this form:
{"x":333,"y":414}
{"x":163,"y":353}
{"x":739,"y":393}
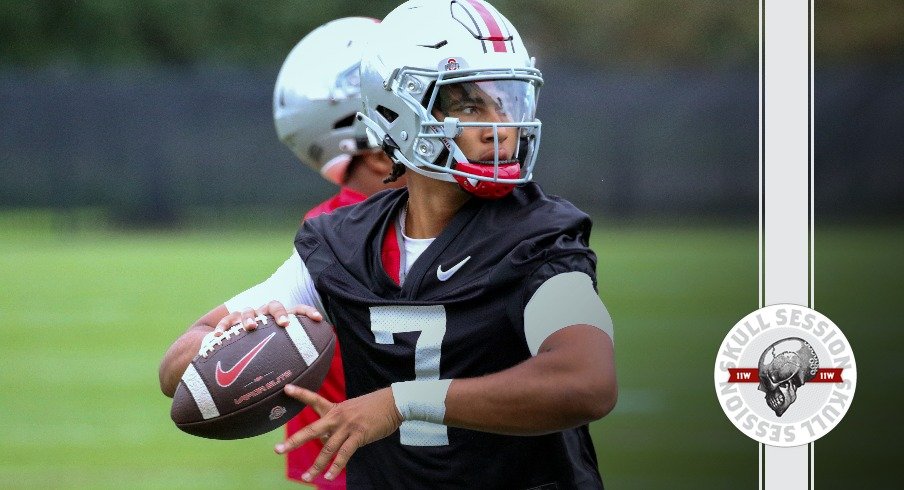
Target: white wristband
{"x":422,"y":400}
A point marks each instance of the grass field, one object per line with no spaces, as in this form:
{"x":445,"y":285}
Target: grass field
{"x":87,"y":314}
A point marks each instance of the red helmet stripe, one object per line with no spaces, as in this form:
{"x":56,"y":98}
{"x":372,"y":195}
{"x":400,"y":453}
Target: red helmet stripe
{"x":495,"y":32}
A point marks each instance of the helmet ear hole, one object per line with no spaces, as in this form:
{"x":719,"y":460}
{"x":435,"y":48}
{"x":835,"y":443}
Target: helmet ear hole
{"x":387,"y":113}
{"x":345,"y":122}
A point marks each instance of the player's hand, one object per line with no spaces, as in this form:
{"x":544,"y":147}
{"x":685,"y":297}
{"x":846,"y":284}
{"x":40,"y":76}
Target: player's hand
{"x":248,"y":316}
{"x":343,"y":427}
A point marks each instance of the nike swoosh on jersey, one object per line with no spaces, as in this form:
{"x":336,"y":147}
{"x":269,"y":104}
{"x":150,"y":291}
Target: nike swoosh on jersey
{"x":445,"y":275}
{"x":226,"y":378}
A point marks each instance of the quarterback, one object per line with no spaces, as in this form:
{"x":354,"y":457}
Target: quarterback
{"x":475,"y":346}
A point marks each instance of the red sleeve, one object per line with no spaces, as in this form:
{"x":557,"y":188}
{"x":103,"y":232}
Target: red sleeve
{"x":390,"y":254}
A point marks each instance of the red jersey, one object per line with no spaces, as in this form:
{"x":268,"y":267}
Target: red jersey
{"x":333,"y":389}
{"x":345,"y":197}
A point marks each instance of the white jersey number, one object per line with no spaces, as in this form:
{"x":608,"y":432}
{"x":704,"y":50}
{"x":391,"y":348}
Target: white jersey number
{"x":431,"y":322}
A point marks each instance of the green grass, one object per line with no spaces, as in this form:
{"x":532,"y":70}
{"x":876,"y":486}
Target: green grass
{"x":673,"y":294}
{"x":98,"y":308}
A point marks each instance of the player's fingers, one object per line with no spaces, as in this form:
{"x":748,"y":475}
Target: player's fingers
{"x":330,"y":448}
{"x":307,"y":433}
{"x":320,"y":404}
{"x":226,"y":323}
{"x":249,"y":319}
{"x":277,"y":311}
{"x":308,"y":311}
{"x":344,"y":453}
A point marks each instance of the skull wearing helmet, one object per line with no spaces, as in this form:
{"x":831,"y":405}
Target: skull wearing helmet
{"x":784,"y":367}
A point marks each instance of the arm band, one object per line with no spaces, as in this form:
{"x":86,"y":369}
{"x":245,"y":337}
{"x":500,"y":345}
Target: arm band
{"x":563,"y":300}
{"x":421,"y":400}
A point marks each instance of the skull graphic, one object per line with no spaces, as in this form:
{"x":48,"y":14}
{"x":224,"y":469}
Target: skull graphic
{"x":784,"y":367}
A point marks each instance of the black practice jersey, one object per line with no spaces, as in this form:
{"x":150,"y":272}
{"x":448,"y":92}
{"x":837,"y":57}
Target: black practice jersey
{"x":444,"y":326}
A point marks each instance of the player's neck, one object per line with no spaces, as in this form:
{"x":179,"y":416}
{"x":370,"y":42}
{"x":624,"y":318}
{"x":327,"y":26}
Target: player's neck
{"x":431,"y":205}
{"x":359,"y":187}
{"x":364,"y":181}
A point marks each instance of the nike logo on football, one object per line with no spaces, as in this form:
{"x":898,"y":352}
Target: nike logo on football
{"x":445,"y":275}
{"x":226,"y":378}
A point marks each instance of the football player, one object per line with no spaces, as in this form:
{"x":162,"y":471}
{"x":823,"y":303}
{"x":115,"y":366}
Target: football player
{"x":315,"y":100}
{"x":475,"y":346}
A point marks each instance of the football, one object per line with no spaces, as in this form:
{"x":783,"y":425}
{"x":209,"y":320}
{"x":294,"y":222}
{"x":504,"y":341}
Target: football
{"x":233,"y":388}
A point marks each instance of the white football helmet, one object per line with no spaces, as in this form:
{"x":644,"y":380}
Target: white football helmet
{"x":426,"y":51}
{"x":318,"y":93}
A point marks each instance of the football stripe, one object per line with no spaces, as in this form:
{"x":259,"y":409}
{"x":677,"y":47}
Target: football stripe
{"x":200,"y":393}
{"x":302,"y":341}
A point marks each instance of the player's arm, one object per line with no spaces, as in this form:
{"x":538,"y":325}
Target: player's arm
{"x":569,"y":383}
{"x":570,"y":379}
{"x":290,"y":285}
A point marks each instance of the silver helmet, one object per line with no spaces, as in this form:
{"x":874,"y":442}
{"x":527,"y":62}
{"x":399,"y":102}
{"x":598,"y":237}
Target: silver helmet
{"x":317,"y":95}
{"x":428,"y":50}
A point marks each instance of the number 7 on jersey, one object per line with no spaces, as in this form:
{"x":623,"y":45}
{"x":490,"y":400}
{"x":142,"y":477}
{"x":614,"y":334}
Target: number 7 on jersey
{"x":431,"y":322}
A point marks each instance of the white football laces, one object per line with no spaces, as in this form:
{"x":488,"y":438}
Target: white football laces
{"x":211,"y":341}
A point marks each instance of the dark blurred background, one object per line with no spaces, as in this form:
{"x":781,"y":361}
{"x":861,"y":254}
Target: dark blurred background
{"x":157,"y":109}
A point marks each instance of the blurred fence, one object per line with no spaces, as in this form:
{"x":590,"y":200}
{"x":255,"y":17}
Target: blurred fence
{"x":149,"y":142}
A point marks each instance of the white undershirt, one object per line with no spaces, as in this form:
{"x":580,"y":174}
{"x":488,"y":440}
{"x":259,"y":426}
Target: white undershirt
{"x":413,"y":247}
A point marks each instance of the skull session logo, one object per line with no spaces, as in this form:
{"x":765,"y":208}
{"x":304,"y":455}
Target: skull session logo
{"x":785,"y":375}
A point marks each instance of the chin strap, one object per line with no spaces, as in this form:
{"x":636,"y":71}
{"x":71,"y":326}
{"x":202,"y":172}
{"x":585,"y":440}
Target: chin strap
{"x":389,"y":147}
{"x":397,"y":171}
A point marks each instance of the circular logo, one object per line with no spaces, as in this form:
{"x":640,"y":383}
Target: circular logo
{"x":277,"y":412}
{"x":785,"y":375}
